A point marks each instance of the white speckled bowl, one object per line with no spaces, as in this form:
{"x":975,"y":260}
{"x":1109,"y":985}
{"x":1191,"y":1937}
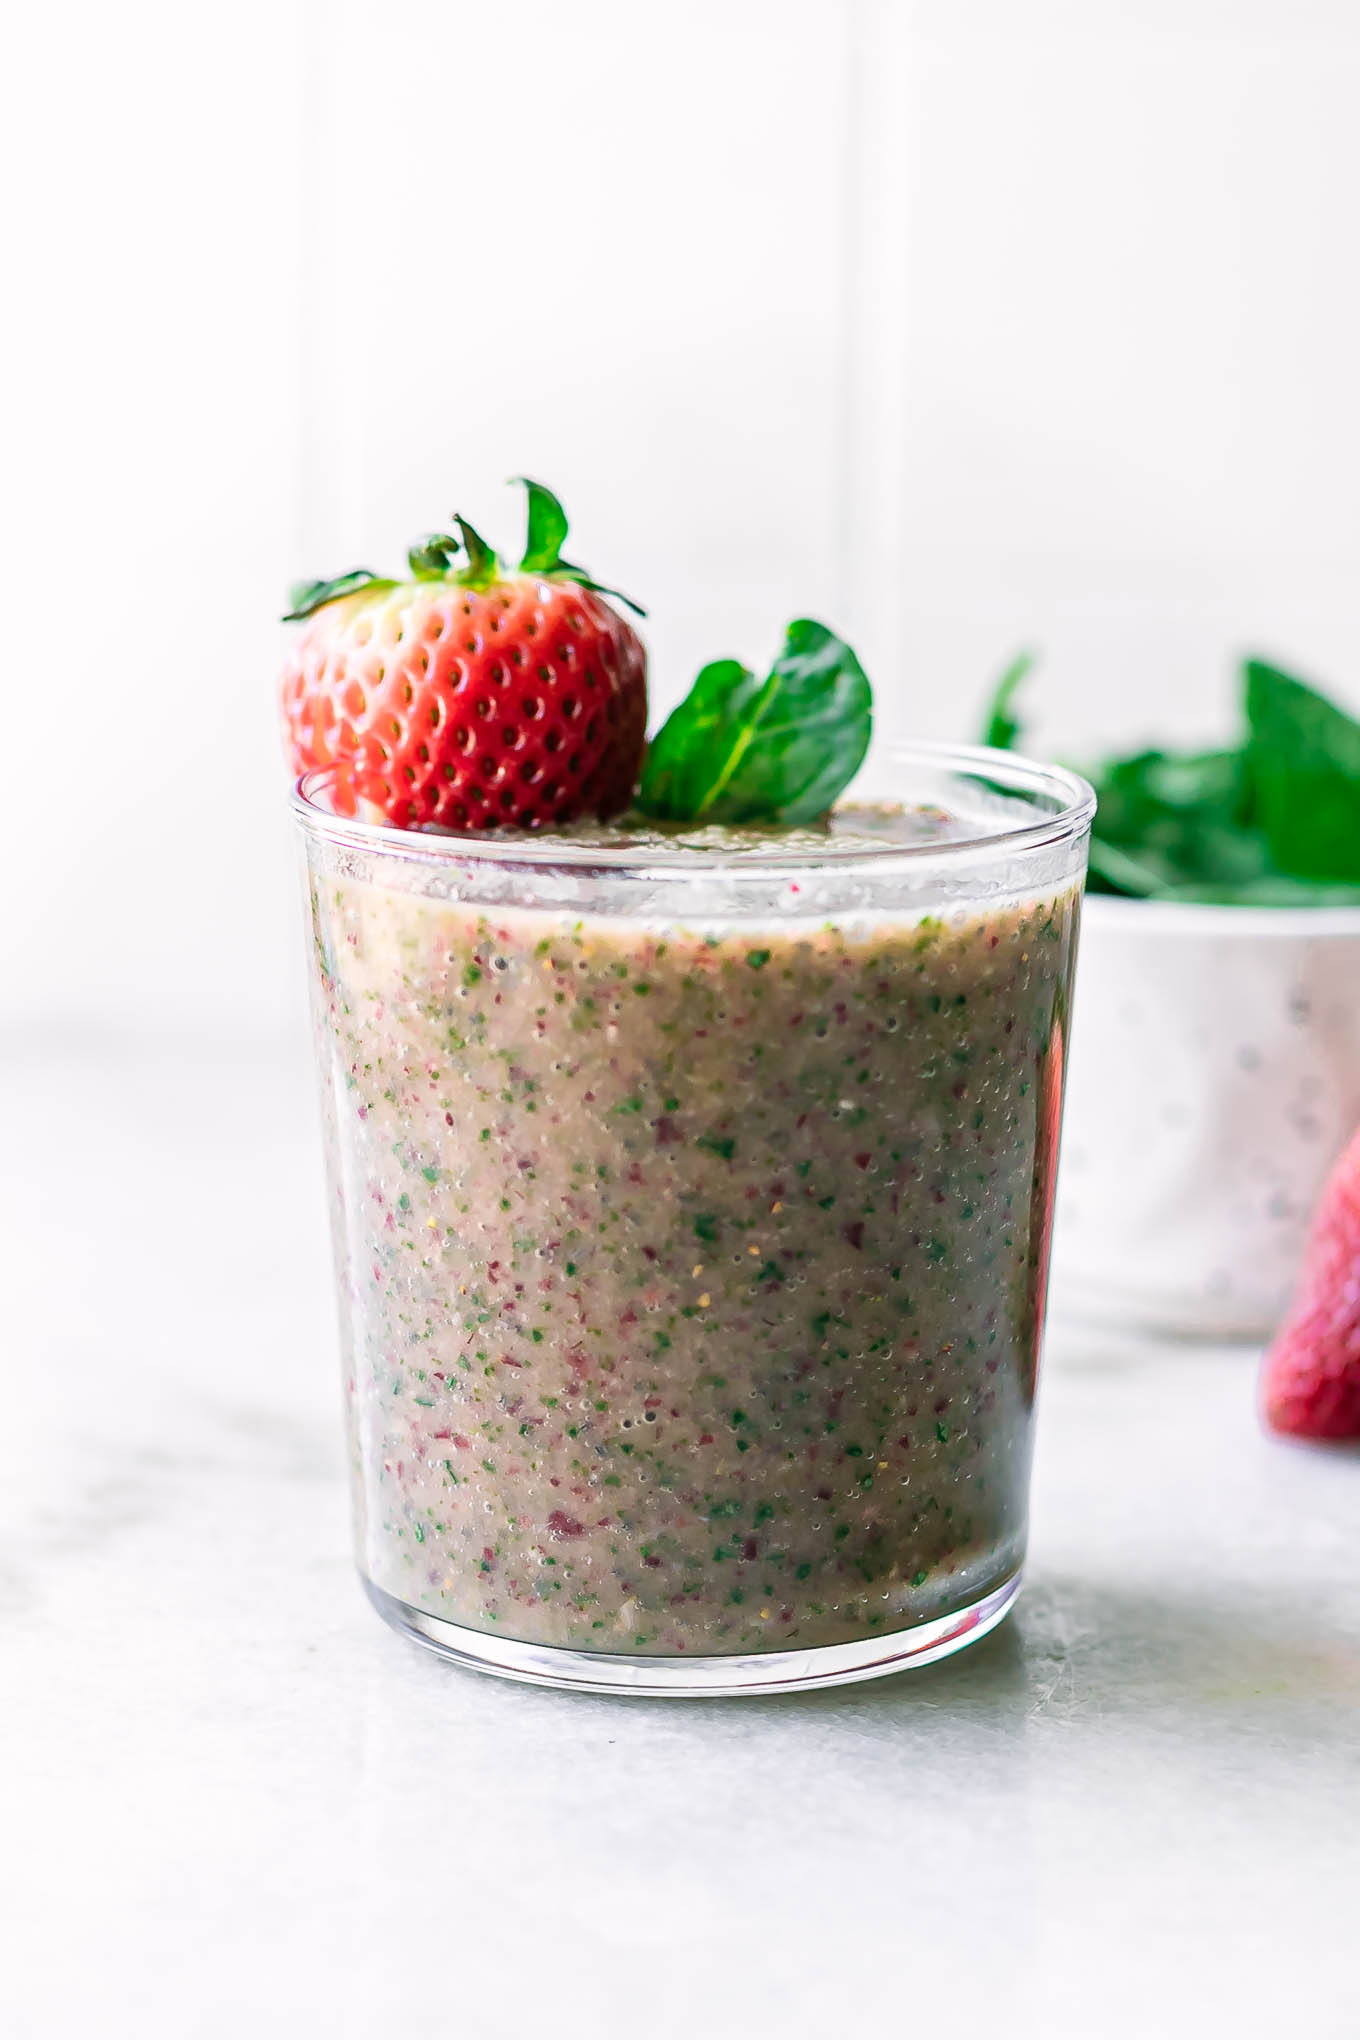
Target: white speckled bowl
{"x":1215,"y":1076}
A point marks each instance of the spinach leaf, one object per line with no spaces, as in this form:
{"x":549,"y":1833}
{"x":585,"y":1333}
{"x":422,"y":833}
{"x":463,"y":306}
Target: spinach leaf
{"x":1272,"y":821}
{"x":1303,"y":755}
{"x":1001,"y":729}
{"x":1183,"y":814}
{"x":680,"y":768}
{"x":738,"y":749}
{"x":1276,"y":889}
{"x":1111,"y":870}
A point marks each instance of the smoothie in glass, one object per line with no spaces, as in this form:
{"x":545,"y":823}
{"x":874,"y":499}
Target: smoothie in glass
{"x":691,"y":1195}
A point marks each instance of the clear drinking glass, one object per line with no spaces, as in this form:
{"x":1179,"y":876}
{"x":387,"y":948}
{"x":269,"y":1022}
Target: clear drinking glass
{"x":691,"y":1208}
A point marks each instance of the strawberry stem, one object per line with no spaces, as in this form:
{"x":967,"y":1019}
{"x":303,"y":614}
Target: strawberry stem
{"x":547,"y":530}
{"x":544,"y":541}
{"x":482,"y":564}
{"x":565,"y":572}
{"x":433,"y":556}
{"x":306,"y":597}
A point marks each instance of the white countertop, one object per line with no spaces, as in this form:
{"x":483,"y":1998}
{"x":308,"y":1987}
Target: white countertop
{"x":233,"y":1804}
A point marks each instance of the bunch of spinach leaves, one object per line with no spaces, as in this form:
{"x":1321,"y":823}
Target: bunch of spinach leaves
{"x":1273,"y":821}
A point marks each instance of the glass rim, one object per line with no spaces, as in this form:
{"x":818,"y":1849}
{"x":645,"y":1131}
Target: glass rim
{"x":542,"y":851}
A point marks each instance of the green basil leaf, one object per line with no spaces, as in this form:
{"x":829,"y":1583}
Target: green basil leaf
{"x":1001,"y":730}
{"x":738,"y":749}
{"x":306,"y":597}
{"x":1303,"y":756}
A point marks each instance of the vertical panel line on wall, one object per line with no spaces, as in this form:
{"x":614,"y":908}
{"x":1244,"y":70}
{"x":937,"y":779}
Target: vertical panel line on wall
{"x":310,"y":209}
{"x":341,"y":226}
{"x":871,"y":568}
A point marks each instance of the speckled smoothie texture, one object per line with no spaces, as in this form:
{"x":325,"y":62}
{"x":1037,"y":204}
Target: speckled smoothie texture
{"x":691,"y":1280}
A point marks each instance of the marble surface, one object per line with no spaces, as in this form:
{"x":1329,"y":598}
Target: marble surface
{"x":234,"y":1803}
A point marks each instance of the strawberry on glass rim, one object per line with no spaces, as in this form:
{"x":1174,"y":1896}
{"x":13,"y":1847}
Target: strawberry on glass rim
{"x":470,"y":695}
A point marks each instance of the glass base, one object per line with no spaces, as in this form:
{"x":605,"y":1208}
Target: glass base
{"x":775,"y":1671}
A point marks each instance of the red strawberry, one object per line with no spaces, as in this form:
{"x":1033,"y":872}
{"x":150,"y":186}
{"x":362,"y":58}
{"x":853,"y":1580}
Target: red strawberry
{"x":468,"y":695}
{"x":1311,"y":1384}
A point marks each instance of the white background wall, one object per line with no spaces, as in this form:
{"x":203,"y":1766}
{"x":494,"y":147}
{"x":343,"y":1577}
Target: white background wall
{"x":963,"y":325}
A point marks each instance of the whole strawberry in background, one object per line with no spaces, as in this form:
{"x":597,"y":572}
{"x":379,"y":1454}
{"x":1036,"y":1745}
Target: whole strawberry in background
{"x":1310,"y":1387}
{"x":469,"y":695}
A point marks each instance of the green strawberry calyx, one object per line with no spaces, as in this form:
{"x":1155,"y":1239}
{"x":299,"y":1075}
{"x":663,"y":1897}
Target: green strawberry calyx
{"x":466,"y":560}
{"x":306,"y":597}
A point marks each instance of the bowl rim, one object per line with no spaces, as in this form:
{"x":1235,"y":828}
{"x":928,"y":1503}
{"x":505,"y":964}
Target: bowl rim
{"x":1198,"y":919}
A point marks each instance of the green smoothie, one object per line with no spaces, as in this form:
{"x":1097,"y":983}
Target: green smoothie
{"x":692,"y":1275}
